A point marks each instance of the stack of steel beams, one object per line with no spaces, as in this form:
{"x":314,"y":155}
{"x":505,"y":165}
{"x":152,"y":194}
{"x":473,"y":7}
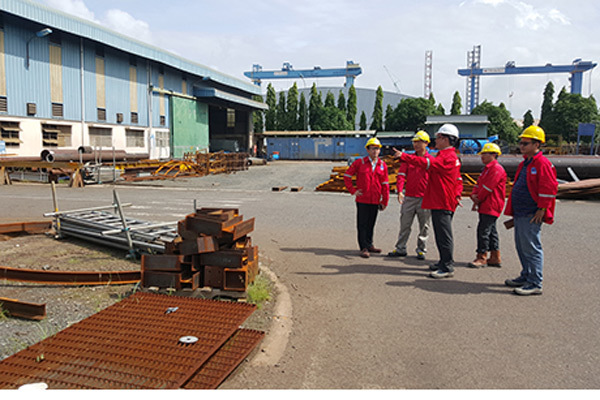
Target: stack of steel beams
{"x":212,"y":249}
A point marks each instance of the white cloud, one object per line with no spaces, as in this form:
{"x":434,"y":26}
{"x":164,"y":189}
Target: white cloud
{"x":124,"y":23}
{"x":74,"y":7}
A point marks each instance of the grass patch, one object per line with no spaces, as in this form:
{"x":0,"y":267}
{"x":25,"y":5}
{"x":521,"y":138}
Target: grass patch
{"x":259,"y":291}
{"x":3,"y":313}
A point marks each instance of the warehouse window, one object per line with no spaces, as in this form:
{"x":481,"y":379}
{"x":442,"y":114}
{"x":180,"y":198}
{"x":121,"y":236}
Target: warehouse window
{"x":10,"y":133}
{"x":57,"y":110}
{"x":134,"y":118}
{"x":134,"y":138}
{"x":102,"y":114}
{"x":162,"y":139}
{"x":3,"y":104}
{"x":56,"y":135}
{"x":101,"y":137}
{"x":230,"y":118}
{"x":163,"y":120}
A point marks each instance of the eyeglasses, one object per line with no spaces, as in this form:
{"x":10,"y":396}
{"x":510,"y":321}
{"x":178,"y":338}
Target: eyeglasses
{"x":524,"y":143}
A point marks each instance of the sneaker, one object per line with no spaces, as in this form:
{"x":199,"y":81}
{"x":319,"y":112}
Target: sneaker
{"x":439,"y":274}
{"x":420,"y":255}
{"x":528,"y":290}
{"x":517,"y":282}
{"x":434,"y":267}
{"x":364,"y":253}
{"x":374,"y":249}
{"x":396,"y":253}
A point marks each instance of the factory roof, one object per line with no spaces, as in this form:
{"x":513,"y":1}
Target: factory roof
{"x":49,"y":17}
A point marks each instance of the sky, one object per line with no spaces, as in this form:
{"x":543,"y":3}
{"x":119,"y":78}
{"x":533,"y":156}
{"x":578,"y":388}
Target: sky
{"x":388,"y":38}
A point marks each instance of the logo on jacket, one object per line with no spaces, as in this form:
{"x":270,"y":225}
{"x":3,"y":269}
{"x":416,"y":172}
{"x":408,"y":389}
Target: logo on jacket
{"x":533,"y":171}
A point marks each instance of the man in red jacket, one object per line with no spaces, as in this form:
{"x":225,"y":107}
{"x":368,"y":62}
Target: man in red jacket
{"x":488,"y":199}
{"x":531,"y":202}
{"x":416,"y":182}
{"x":372,"y":194}
{"x":442,"y":195}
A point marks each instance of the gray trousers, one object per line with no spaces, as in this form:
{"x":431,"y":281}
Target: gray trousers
{"x":411,"y":207}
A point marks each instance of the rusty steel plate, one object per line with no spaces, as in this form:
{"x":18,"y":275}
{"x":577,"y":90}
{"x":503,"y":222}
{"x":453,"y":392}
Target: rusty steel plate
{"x":224,"y":361}
{"x":133,"y":344}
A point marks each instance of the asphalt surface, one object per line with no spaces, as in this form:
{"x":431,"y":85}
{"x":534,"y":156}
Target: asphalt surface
{"x":379,"y":322}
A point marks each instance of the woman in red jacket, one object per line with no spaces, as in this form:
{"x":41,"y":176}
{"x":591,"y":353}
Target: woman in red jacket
{"x":372,"y":193}
{"x":488,"y":199}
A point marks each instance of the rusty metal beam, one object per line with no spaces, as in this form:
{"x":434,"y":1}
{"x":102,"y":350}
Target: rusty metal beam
{"x":26,"y":227}
{"x":69,"y":277}
{"x":22,"y":309}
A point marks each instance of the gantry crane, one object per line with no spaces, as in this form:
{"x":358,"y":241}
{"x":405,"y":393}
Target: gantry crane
{"x":351,"y":71}
{"x":576,"y":69}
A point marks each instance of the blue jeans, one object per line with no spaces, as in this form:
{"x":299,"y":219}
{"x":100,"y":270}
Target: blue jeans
{"x":529,"y":248}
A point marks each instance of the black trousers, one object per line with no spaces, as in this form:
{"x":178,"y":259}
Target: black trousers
{"x":442,"y":228}
{"x":487,"y":235}
{"x":366,"y":215}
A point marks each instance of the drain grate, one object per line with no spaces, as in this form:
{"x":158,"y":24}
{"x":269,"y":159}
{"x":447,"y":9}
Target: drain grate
{"x":133,"y":344}
{"x":224,"y":361}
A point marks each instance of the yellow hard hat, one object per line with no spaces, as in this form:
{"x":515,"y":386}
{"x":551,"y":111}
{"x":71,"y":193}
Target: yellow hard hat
{"x":421,"y":136}
{"x":534,"y":132}
{"x":373,"y":142}
{"x":491,"y":148}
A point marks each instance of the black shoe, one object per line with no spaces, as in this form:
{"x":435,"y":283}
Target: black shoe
{"x":434,"y":267}
{"x":396,"y":253}
{"x":517,"y":282}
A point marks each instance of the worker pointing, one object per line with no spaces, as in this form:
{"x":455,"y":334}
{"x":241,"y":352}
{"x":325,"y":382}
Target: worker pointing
{"x":372,"y":193}
{"x":442,"y":195}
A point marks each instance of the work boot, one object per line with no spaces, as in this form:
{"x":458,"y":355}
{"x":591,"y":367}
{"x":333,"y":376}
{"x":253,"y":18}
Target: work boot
{"x":374,"y":249}
{"x":480,"y":261}
{"x":364,"y":253}
{"x":494,"y":260}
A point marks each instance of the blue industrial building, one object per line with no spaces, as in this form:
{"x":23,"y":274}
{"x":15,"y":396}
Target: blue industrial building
{"x":66,"y":82}
{"x":316,"y":145}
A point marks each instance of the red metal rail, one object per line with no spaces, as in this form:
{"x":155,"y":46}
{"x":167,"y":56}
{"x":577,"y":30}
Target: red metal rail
{"x":69,"y":277}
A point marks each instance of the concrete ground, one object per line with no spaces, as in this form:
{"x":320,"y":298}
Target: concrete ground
{"x":345,"y":322}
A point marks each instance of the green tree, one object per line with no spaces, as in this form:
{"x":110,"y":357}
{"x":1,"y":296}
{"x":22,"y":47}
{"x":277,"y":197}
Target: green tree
{"x":377,"y":117}
{"x":271,"y":113}
{"x":281,"y":120}
{"x":440,"y":110}
{"x":302,"y":114}
{"x":501,"y":122}
{"x":329,"y":100}
{"x":341,"y":102}
{"x":410,"y":114}
{"x":257,"y":116}
{"x":352,"y":108}
{"x":456,"y":107}
{"x":292,"y":108}
{"x":527,"y":119}
{"x":389,"y":111}
{"x":363,"y":121}
{"x":315,"y":107}
{"x":547,"y":107}
{"x":569,"y":110}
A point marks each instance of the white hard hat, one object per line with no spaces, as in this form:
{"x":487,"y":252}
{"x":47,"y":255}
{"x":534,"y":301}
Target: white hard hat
{"x":448,"y":129}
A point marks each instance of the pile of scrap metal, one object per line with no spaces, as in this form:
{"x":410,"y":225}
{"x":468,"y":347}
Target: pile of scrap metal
{"x":212,"y":250}
{"x":470,"y":180}
{"x":192,"y":165}
{"x":146,"y":341}
{"x":336,"y":179}
{"x":114,"y":230}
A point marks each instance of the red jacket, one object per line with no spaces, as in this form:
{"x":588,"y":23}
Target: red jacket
{"x":373,"y":184}
{"x":444,"y":185}
{"x":491,"y":189}
{"x":542,"y":185}
{"x":415,"y":178}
